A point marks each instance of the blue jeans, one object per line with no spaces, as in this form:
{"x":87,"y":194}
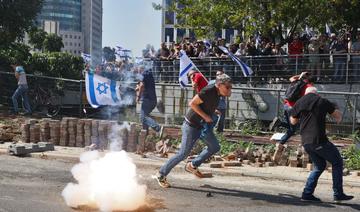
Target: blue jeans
{"x":221,"y":124}
{"x":319,"y":154}
{"x":189,"y":137}
{"x":21,"y":91}
{"x":340,"y":65}
{"x":291,"y":129}
{"x":147,"y":106}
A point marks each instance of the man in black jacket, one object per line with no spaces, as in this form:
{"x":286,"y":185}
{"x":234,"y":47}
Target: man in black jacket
{"x":311,"y":110}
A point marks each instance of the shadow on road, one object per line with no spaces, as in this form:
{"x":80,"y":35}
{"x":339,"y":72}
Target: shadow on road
{"x":284,"y":199}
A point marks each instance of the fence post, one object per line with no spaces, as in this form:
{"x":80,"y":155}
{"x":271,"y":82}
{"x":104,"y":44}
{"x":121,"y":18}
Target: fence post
{"x":347,"y":68}
{"x":81,"y":100}
{"x":354,"y":113}
{"x":278,"y":103}
{"x":210,"y":67}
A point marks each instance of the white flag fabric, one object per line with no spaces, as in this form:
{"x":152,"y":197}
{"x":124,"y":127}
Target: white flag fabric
{"x":185,"y":66}
{"x":101,"y":90}
{"x":86,"y":57}
{"x":247,"y":71}
{"x":327,"y":29}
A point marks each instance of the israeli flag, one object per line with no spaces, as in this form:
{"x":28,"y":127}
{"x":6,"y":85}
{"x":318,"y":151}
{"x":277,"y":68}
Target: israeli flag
{"x":244,"y":68}
{"x":185,"y":66}
{"x":327,"y":29}
{"x":101,"y":90}
{"x":308,"y":32}
{"x":86,"y":57}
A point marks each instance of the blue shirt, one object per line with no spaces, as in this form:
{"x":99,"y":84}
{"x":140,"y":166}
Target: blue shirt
{"x":149,"y":86}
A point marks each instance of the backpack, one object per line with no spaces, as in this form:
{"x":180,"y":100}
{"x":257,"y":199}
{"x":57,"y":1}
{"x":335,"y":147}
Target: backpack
{"x":293,"y":92}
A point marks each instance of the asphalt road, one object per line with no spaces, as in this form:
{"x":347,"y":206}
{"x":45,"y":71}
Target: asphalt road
{"x":35,"y":185}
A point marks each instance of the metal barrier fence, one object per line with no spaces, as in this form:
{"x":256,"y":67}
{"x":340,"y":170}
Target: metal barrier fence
{"x":261,"y":104}
{"x":246,"y":103}
{"x":59,"y":93}
{"x":333,"y":68}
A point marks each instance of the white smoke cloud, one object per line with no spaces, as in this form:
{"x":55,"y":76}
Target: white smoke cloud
{"x":106,"y":182}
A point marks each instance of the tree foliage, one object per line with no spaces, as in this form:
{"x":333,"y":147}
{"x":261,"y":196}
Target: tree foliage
{"x":16,"y":17}
{"x":109,"y":54}
{"x":270,"y":18}
{"x":53,"y":43}
{"x":37,"y":37}
{"x":56,"y":64}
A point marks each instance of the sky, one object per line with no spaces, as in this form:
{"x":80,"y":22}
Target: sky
{"x":132,"y":24}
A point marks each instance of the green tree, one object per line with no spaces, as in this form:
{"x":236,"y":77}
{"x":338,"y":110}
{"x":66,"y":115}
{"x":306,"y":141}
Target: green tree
{"x":17,"y":52}
{"x":37,"y":37}
{"x":109,"y":54}
{"x":53,"y":43}
{"x":56,"y":64}
{"x":270,"y":18}
{"x":16,"y":17}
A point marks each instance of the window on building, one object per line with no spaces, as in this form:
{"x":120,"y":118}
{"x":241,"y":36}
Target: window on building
{"x":169,"y":17}
{"x":70,"y":36}
{"x":70,"y":43}
{"x":65,"y":36}
{"x":180,"y":34}
{"x":74,"y":36}
{"x":169,"y":34}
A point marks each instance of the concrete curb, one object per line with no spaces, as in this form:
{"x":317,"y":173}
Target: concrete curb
{"x":154,"y":163}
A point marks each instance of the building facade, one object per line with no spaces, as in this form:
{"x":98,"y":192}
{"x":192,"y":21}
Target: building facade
{"x":170,"y":33}
{"x":78,"y":22}
{"x":92,"y":28}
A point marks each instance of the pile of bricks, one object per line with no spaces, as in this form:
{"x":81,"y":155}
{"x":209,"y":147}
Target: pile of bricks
{"x":259,"y":157}
{"x":54,"y":132}
{"x":76,"y":132}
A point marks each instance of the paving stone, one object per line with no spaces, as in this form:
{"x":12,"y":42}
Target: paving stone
{"x":231,"y":163}
{"x":215,"y":165}
{"x":269,"y":164}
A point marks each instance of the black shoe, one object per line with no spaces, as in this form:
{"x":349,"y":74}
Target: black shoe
{"x":275,"y":122}
{"x":310,"y":198}
{"x":27,"y":114}
{"x":13,"y":113}
{"x":342,"y":197}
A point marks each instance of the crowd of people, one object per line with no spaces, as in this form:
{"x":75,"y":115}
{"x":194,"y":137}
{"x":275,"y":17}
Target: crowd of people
{"x":302,"y":52}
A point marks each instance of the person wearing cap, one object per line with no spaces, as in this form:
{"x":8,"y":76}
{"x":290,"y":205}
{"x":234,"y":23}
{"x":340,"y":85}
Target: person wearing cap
{"x":21,"y":90}
{"x":202,"y":107}
{"x":311,"y":111}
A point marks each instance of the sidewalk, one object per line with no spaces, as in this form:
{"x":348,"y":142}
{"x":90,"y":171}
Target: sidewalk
{"x":71,"y":154}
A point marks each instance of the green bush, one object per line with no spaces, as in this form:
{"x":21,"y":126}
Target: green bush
{"x":352,"y":158}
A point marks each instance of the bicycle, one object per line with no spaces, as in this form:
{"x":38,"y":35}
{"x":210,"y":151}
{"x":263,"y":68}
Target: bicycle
{"x":44,"y":101}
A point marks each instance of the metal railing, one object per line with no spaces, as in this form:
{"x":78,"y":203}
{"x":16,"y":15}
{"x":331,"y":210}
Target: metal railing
{"x":246,"y":103}
{"x":326,"y":68}
{"x":263,"y":104}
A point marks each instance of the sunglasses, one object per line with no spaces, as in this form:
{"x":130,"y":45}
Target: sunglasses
{"x":228,"y":87}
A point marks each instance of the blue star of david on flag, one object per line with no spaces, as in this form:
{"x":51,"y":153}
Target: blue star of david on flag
{"x":102,"y":88}
{"x":102,"y":91}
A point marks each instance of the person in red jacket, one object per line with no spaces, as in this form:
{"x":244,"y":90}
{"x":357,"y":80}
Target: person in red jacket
{"x":296,"y":51}
{"x":291,"y":129}
{"x":198,"y":81}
